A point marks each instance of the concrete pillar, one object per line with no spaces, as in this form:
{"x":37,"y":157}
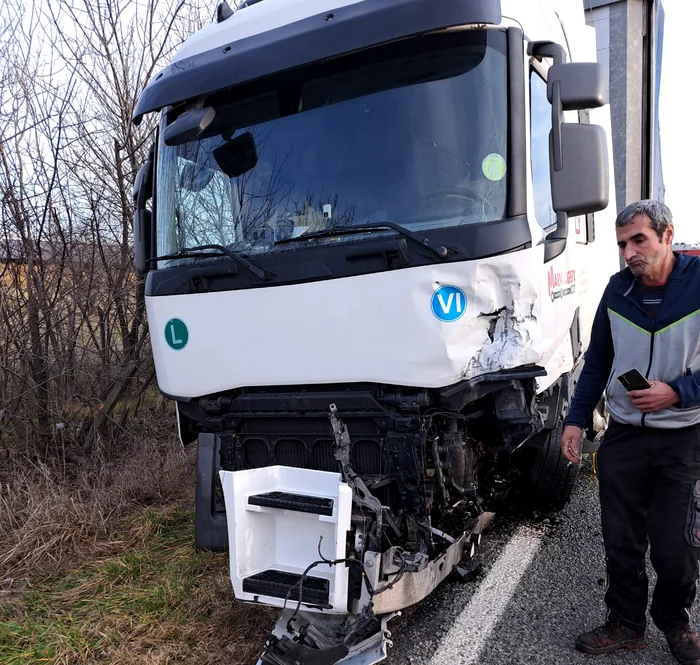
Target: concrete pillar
{"x":620,"y":32}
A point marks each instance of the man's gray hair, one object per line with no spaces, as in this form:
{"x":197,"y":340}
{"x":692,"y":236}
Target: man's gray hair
{"x":657,"y":212}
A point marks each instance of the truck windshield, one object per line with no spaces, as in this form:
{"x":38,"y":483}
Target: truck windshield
{"x":417,"y":137}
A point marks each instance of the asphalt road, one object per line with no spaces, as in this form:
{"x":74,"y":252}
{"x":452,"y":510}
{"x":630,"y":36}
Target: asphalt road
{"x":542,"y":584}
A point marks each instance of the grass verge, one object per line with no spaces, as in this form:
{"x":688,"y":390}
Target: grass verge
{"x":157,"y":601}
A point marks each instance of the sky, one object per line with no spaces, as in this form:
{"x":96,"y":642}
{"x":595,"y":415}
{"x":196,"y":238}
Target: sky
{"x":678,"y":117}
{"x":679,"y":126}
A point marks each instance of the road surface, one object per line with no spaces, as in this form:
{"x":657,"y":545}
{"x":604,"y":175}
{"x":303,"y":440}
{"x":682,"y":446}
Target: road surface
{"x":541,"y":585}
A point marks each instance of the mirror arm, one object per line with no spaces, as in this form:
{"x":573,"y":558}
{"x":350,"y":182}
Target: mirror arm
{"x":561,"y":232}
{"x":547,"y":49}
{"x":557,"y":121}
{"x":554,"y":248}
{"x":555,"y":242}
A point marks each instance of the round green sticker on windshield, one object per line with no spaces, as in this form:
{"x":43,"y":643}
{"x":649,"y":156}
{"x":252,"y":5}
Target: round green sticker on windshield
{"x":176,"y":334}
{"x":494,"y":166}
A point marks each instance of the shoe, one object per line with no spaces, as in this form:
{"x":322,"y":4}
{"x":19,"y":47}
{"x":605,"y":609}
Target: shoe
{"x":685,"y":646}
{"x":611,"y":636}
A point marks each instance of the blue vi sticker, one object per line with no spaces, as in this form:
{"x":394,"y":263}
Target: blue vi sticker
{"x":448,"y":303}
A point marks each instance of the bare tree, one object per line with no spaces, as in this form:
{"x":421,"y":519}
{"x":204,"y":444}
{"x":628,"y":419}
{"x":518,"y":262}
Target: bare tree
{"x":73,"y":342}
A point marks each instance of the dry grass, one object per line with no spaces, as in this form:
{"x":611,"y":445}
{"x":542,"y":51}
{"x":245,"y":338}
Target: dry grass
{"x":50,"y":516}
{"x":160,"y":602}
{"x":97,"y":565}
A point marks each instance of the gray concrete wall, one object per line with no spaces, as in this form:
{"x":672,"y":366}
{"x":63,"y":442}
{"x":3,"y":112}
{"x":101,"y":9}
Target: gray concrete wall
{"x":620,"y":30}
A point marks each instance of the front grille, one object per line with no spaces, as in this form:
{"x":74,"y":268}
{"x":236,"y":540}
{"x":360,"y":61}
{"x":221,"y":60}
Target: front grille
{"x":291,"y":452}
{"x":322,"y":456}
{"x":309,"y":451}
{"x":256,"y":453}
{"x":366,"y":457}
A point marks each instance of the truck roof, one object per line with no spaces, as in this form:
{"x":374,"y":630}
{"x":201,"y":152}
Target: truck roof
{"x":273,"y":36}
{"x":255,"y":19}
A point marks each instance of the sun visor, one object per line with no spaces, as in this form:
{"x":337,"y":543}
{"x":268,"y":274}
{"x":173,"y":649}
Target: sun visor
{"x":312,"y":39}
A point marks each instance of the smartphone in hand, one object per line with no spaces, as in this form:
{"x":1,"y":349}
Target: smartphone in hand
{"x":634,"y":380}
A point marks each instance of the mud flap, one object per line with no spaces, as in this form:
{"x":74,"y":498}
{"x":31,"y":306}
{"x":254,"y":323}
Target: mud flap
{"x":210,"y":528}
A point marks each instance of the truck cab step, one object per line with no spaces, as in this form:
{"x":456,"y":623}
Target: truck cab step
{"x":300,"y":503}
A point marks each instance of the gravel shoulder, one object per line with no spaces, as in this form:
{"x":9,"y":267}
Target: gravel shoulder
{"x":559,"y":596}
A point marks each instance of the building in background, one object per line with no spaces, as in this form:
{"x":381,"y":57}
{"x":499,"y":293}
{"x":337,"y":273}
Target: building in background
{"x":630,"y":45}
{"x":685,"y":248}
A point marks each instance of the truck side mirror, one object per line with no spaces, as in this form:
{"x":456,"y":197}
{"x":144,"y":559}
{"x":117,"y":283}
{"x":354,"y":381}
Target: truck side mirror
{"x":143,"y":183}
{"x":581,"y":184}
{"x":579,"y":170}
{"x":142,"y":233}
{"x":581,"y":85}
{"x":143,"y":190}
{"x":577,"y":152}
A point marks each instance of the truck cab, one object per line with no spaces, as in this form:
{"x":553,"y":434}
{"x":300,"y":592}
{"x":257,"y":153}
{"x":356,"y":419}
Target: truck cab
{"x":374,"y":234}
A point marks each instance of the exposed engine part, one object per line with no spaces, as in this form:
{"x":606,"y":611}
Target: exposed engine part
{"x":439,"y":471}
{"x":457,"y":460}
{"x":287,"y":652}
{"x":411,"y":468}
{"x":406,"y":401}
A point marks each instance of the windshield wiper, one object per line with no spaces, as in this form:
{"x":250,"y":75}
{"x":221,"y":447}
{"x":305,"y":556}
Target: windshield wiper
{"x":440,"y":250}
{"x":200,"y":251}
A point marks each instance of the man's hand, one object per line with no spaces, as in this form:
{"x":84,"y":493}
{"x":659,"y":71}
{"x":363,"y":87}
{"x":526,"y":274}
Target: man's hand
{"x":570,"y":443}
{"x":659,"y":396}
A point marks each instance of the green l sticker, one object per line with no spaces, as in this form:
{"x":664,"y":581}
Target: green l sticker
{"x":176,"y":334}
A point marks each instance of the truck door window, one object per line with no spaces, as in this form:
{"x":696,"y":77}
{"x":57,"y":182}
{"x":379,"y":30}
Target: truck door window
{"x":540,"y":126}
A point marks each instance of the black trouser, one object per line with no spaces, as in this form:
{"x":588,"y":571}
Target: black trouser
{"x":647,"y":477}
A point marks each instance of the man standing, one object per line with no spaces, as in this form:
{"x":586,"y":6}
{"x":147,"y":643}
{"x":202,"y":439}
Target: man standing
{"x":649,"y":461}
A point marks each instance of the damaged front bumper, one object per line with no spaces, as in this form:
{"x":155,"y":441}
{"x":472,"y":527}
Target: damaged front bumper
{"x":288,"y":530}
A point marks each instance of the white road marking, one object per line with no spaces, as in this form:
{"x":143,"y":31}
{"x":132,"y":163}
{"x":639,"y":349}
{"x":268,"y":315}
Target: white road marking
{"x":465,"y":640}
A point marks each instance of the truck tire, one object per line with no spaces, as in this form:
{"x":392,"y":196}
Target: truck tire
{"x":552,"y":477}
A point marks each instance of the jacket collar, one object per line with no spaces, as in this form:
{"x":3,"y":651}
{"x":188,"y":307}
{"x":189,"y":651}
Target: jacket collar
{"x":625,"y":279}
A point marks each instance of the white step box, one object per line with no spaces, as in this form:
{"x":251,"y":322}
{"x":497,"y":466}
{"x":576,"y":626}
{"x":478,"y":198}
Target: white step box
{"x":276,"y":517}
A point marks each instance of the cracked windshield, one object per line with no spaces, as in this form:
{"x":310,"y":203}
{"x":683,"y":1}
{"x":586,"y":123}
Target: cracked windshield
{"x":420,"y":141}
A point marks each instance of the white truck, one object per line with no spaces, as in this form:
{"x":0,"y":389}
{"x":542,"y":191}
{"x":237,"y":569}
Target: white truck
{"x":374,"y":234}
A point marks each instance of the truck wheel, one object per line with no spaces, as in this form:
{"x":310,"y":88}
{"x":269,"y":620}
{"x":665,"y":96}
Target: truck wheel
{"x":552,"y":477}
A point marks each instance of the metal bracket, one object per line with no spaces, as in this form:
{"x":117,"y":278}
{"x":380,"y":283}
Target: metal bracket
{"x":361,"y":494}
